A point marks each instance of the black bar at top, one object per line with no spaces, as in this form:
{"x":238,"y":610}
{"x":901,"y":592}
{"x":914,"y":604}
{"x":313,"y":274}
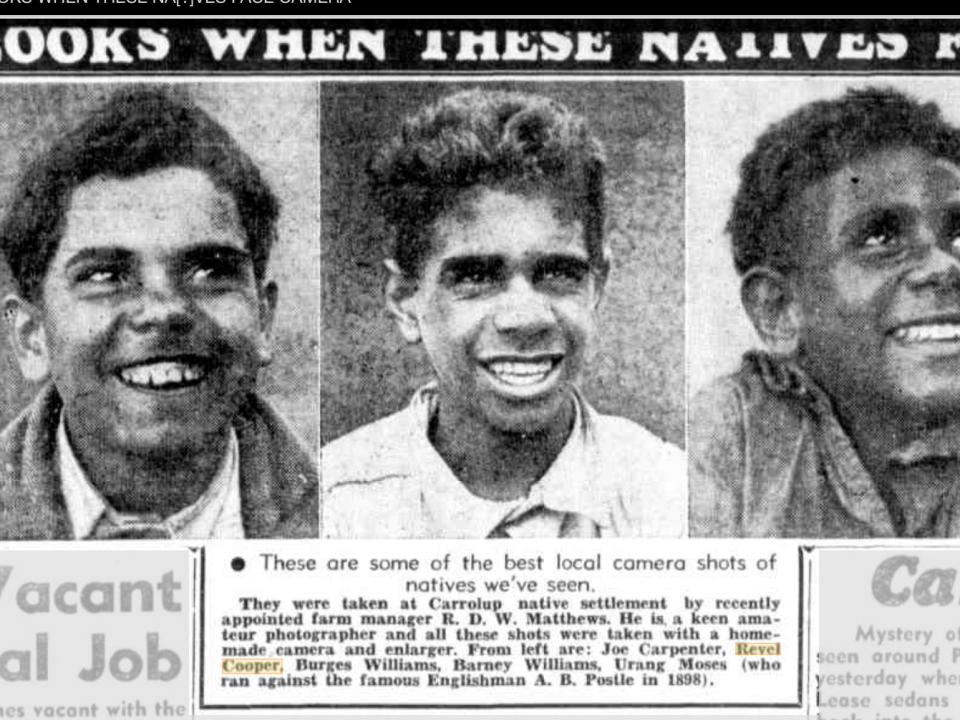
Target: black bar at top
{"x":470,"y":46}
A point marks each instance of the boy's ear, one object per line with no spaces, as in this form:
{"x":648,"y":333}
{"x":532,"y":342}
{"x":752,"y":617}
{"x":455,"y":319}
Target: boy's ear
{"x":268,"y":310}
{"x":399,"y":292}
{"x":27,"y":337}
{"x":770,"y":301}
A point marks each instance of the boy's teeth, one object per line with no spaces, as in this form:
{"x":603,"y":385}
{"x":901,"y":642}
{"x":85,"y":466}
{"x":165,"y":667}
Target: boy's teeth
{"x":521,"y":373}
{"x":161,"y":374}
{"x":928,"y":333}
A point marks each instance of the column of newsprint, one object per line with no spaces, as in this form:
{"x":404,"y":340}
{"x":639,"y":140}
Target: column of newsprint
{"x":481,"y":624}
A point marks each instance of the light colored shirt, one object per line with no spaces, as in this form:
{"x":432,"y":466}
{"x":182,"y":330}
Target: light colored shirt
{"x":612,"y":478}
{"x":216,"y":514}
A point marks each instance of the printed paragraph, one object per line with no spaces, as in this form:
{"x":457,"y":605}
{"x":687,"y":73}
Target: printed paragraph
{"x":536,"y":625}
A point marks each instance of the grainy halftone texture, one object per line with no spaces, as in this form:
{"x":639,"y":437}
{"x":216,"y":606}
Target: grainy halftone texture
{"x":636,"y":367}
{"x":277,"y":125}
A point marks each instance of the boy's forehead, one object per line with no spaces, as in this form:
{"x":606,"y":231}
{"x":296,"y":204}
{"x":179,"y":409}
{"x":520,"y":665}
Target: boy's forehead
{"x":164,"y":207}
{"x":497,"y":222}
{"x":888,"y":172}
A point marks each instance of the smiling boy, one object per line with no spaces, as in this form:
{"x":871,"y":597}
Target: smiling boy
{"x":846,"y":232}
{"x":139,"y":244}
{"x":498,"y":267}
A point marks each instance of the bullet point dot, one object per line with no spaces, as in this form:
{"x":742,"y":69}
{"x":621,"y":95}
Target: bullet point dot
{"x":238,"y":564}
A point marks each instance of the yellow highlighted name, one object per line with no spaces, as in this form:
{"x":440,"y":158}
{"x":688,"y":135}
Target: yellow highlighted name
{"x":252,"y":666}
{"x":758,"y":648}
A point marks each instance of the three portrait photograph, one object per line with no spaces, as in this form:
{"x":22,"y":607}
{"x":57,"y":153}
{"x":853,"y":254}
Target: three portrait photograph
{"x":480,"y":309}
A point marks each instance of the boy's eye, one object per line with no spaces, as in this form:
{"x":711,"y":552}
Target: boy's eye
{"x":877,"y":240}
{"x":473,"y":275}
{"x":479,"y":277}
{"x":883,"y":232}
{"x":953,"y":242}
{"x":216,"y":267}
{"x":206,"y":273}
{"x":952,"y":233}
{"x":101,"y":276}
{"x":562,"y":273}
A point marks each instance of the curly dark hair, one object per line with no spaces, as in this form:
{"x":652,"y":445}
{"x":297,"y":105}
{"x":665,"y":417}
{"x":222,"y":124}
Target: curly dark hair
{"x":812,"y":143}
{"x":514,"y":141}
{"x":137,"y":130}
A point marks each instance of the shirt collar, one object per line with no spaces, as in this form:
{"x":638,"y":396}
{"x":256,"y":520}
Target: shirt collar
{"x":844,"y":471}
{"x":216,"y":513}
{"x":784,"y":376}
{"x":568,"y":486}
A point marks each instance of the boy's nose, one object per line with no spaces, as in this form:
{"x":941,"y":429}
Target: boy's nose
{"x":523,"y":309}
{"x":940,"y":267}
{"x":161,"y":304}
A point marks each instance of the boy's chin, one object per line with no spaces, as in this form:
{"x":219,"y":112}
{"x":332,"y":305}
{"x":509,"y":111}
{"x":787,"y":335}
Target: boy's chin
{"x":895,"y":390}
{"x":935,"y":407}
{"x":167,"y":442}
{"x":936,"y":399}
{"x":531,"y":419}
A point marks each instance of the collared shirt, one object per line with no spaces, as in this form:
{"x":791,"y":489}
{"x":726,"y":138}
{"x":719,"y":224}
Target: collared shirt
{"x":612,"y":478}
{"x":216,"y":514}
{"x":769,"y":458}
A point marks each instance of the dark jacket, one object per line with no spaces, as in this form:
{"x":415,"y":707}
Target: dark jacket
{"x":278,"y":478}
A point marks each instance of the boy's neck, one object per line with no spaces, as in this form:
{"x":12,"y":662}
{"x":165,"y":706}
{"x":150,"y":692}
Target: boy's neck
{"x":495,"y":464}
{"x":913,"y":459}
{"x":885,"y":434}
{"x":149,"y":484}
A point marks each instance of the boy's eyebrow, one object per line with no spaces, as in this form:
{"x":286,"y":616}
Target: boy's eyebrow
{"x":102,"y":254}
{"x":878,"y":211}
{"x":564,"y":260}
{"x":468,"y":263}
{"x":109,"y":253}
{"x":491,"y":264}
{"x":203,"y":251}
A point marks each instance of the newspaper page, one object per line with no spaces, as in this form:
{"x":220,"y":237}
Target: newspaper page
{"x":302,"y":312}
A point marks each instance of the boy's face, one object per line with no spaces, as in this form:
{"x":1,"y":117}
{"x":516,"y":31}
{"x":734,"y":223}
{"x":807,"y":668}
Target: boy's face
{"x":879,"y":284}
{"x":150,"y":318}
{"x":505,"y":308}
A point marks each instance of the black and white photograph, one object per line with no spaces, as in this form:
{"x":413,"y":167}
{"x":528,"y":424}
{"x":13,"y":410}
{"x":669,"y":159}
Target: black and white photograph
{"x":160,"y":375}
{"x":502,"y":318}
{"x":314,"y":305}
{"x":824,"y":280}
